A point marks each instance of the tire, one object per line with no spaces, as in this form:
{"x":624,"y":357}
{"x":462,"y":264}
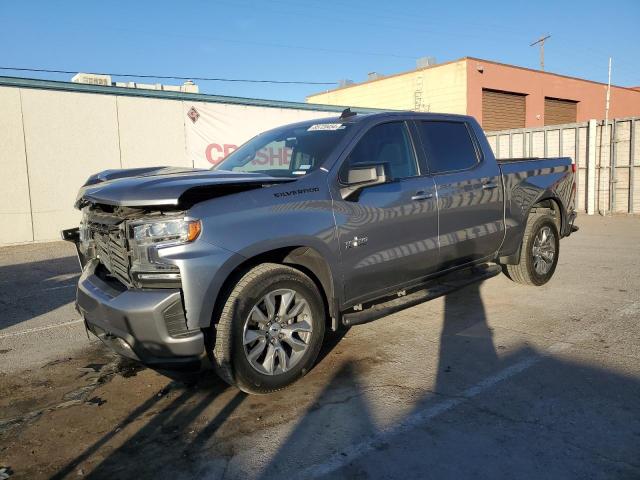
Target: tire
{"x":290,"y":344}
{"x":529,"y":271}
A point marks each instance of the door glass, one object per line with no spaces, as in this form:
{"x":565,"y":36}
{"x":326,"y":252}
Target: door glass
{"x":448,"y":146}
{"x":387,"y":143}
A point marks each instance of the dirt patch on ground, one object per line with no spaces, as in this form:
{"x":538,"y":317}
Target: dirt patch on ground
{"x":41,"y":408}
{"x":99,"y":416}
{"x":58,"y":384}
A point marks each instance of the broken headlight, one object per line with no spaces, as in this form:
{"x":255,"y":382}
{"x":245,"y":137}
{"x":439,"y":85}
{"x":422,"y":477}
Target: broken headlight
{"x":146,"y":237}
{"x":86,"y":245}
{"x":174,"y":231}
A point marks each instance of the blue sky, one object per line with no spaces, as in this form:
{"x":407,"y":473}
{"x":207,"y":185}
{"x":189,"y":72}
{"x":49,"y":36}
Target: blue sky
{"x":315,"y":40}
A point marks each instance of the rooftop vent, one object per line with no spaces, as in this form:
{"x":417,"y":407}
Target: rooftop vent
{"x":424,"y":62}
{"x":344,"y":82}
{"x":374,"y":75}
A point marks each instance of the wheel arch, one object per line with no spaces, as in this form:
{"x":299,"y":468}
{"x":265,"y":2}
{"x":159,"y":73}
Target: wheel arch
{"x":304,"y":258}
{"x":554,"y":204}
{"x":546,"y":201}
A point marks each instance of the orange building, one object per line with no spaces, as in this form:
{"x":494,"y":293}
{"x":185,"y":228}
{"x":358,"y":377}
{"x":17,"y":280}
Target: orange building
{"x":500,"y":96}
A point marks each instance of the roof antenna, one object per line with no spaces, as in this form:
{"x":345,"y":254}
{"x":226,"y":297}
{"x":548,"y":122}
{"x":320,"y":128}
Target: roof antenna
{"x":346,"y":113}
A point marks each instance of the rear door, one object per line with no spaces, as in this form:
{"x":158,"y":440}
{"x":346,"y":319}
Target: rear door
{"x":388,"y":233}
{"x":470,"y":197}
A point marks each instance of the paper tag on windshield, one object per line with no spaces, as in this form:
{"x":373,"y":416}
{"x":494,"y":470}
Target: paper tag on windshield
{"x":325,"y":126}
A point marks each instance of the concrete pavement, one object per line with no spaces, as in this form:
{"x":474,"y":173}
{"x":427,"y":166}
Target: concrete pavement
{"x":37,"y":289}
{"x":494,"y":381}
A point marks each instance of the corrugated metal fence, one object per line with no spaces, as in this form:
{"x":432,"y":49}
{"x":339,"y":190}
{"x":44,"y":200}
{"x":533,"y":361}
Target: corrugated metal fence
{"x":603,"y":185}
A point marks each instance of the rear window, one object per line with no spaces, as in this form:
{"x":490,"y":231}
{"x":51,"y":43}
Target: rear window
{"x":448,"y":146}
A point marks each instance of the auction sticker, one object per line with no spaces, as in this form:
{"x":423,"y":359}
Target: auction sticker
{"x":325,"y":127}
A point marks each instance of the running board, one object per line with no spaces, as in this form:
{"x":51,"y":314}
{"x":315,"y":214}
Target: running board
{"x":434,"y":289}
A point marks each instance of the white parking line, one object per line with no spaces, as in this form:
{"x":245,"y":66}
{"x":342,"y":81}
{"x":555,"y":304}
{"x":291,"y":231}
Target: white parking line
{"x":58,"y":288}
{"x":417,"y":419}
{"x":40,"y":329}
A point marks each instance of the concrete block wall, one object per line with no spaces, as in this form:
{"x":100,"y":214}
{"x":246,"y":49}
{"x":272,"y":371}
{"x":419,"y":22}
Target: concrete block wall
{"x":602,"y":185}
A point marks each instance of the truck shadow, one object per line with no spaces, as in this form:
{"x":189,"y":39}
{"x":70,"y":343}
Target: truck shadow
{"x":560,"y":419}
{"x":341,"y":413}
{"x":465,"y":334}
{"x":159,"y":444}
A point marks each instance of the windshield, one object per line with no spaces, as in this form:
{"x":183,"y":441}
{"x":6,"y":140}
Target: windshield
{"x":286,"y":152}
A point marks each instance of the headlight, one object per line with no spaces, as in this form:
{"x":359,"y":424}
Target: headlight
{"x":146,"y":237}
{"x":168,"y":231}
{"x":86,"y":246}
{"x":85,"y":234}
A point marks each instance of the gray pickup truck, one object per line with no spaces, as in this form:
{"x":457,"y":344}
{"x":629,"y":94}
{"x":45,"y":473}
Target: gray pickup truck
{"x":312,"y":226}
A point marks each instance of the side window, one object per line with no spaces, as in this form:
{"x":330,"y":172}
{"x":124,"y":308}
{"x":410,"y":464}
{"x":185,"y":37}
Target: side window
{"x":386,"y":143}
{"x":448,"y":146}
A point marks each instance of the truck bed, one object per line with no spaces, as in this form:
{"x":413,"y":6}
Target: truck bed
{"x":528,"y":181}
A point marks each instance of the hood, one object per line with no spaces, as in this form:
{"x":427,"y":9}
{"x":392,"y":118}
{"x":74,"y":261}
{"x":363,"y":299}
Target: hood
{"x":166,"y":186}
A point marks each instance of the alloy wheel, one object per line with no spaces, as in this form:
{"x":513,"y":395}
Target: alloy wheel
{"x":544,"y":250}
{"x":277,"y":331}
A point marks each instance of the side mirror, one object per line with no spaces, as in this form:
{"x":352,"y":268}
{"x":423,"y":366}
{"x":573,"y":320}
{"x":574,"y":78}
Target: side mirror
{"x":364,"y":175}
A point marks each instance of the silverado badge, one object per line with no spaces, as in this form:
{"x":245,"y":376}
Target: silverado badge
{"x":356,"y":242}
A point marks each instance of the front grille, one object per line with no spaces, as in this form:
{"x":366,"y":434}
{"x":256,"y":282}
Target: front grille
{"x":112,"y":249}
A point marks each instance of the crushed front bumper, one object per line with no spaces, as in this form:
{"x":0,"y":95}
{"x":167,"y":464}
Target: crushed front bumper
{"x":145,"y":325}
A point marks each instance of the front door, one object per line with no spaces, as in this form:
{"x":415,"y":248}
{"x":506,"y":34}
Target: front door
{"x":388,"y":233}
{"x":470,"y":197}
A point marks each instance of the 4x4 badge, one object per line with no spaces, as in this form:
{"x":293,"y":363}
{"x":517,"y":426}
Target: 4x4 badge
{"x":356,"y":242}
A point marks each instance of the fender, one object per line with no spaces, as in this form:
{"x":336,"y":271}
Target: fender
{"x":514,"y":257}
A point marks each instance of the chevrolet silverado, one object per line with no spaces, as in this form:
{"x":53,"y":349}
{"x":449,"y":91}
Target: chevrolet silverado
{"x":246,"y":265}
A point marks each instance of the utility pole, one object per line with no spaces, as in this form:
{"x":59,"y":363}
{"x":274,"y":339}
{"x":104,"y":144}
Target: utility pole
{"x":606,"y":105}
{"x":541,"y":42}
{"x":603,"y":132}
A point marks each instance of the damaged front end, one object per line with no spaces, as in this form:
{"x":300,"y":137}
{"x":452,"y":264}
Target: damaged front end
{"x":147,"y":286}
{"x":130,"y":297}
{"x":126,"y":242}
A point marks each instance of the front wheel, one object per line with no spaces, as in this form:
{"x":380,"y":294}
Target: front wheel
{"x":538,"y":253}
{"x":270,"y":330}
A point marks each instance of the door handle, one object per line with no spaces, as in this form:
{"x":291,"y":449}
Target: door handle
{"x":489,"y":185}
{"x":421,"y":195}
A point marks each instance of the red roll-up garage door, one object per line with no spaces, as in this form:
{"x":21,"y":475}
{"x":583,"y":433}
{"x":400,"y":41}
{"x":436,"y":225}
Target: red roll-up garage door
{"x":558,"y":111}
{"x":502,"y":110}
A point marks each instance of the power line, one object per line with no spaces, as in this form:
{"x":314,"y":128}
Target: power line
{"x":172,"y":77}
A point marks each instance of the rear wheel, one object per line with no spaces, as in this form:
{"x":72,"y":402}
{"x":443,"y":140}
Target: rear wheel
{"x":270,"y":330}
{"x":538,"y":253}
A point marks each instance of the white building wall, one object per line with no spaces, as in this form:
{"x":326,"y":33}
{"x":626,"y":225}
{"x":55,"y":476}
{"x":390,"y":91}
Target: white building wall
{"x":15,"y":214}
{"x":68,"y":137}
{"x":151,"y":133}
